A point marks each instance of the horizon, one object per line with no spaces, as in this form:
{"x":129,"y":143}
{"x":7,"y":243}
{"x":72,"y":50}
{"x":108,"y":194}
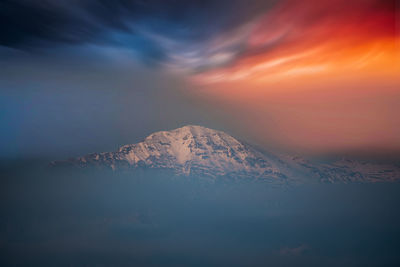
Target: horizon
{"x":384,"y":156}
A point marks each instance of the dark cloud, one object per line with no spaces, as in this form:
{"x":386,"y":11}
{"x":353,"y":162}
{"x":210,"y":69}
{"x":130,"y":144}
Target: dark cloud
{"x":34,"y":25}
{"x":26,"y":23}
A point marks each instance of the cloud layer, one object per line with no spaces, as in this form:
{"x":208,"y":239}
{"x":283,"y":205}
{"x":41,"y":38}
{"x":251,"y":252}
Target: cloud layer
{"x":151,"y":28}
{"x":245,"y":37}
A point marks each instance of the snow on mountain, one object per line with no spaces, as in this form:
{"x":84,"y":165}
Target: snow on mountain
{"x":196,"y":150}
{"x":190,"y":150}
{"x":346,"y":171}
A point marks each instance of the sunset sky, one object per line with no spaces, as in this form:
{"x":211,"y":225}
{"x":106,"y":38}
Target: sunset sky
{"x":314,"y":77}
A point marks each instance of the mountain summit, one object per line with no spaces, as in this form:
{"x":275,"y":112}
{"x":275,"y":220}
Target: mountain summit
{"x":190,"y":150}
{"x":196,"y":150}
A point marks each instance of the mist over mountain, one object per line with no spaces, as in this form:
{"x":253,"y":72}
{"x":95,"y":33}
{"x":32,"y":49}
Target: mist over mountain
{"x":194,"y":196}
{"x":154,"y":217}
{"x":199,"y":151}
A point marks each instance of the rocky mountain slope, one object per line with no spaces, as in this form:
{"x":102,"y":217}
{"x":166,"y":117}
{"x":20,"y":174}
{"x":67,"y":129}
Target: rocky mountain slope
{"x":196,"y":150}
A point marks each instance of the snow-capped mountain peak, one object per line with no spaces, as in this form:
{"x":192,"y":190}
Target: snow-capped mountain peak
{"x":188,"y":150}
{"x":197,"y":150}
{"x":193,"y":146}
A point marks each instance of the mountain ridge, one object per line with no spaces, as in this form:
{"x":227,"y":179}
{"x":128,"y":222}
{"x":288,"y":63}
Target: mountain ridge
{"x":201,"y":151}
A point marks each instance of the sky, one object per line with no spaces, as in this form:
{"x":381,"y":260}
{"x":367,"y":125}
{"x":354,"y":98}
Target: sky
{"x":309,"y":77}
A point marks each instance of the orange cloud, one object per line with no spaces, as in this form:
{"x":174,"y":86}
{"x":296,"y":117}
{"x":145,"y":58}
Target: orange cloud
{"x":315,"y":38}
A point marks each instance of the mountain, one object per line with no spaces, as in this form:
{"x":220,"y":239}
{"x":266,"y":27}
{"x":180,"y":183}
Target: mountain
{"x":199,"y":151}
